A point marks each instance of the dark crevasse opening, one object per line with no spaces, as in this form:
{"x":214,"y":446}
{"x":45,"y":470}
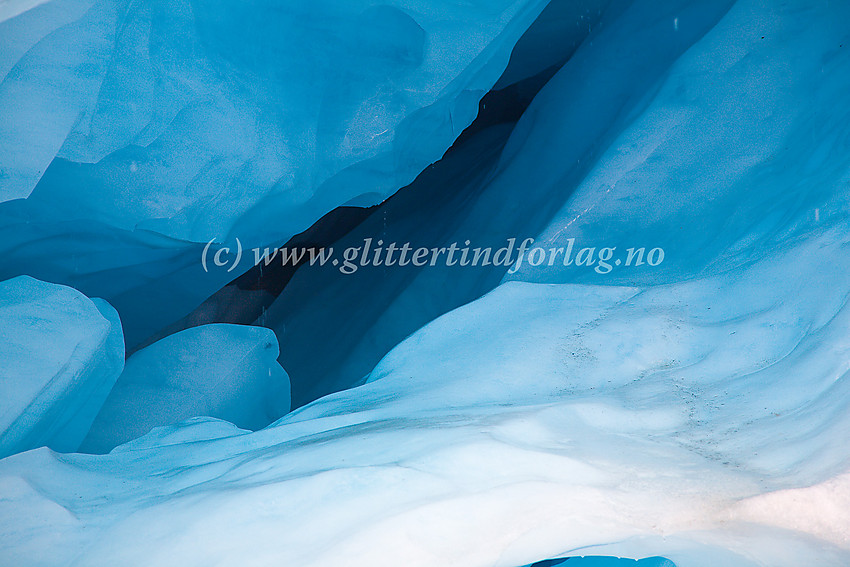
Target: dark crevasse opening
{"x":334,"y":327}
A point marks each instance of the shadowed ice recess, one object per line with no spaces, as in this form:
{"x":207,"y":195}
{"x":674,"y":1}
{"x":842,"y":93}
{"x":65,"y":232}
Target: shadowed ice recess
{"x":689,"y":414}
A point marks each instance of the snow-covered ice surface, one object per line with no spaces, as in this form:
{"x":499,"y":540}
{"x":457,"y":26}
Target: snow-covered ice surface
{"x":229,"y":372}
{"x":60,"y":354}
{"x":697,"y":410}
{"x":539,"y":420}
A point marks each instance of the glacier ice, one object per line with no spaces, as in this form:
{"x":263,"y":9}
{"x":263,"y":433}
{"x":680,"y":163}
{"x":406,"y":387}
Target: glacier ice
{"x":684,"y":100}
{"x":60,"y":354}
{"x":735,"y":150}
{"x":490,"y":189}
{"x":554,"y":36}
{"x":138,"y":130}
{"x":540,"y":416}
{"x":193,"y":120}
{"x":229,"y":372}
{"x":698,"y":410}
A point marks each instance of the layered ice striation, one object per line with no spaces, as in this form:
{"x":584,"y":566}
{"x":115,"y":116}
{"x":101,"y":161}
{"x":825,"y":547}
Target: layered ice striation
{"x":228,"y":372}
{"x":60,"y":354}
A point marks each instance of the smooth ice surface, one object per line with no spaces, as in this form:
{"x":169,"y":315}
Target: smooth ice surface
{"x":60,"y":354}
{"x":11,"y":8}
{"x":734,"y":148}
{"x":201,"y":120}
{"x":228,"y":372}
